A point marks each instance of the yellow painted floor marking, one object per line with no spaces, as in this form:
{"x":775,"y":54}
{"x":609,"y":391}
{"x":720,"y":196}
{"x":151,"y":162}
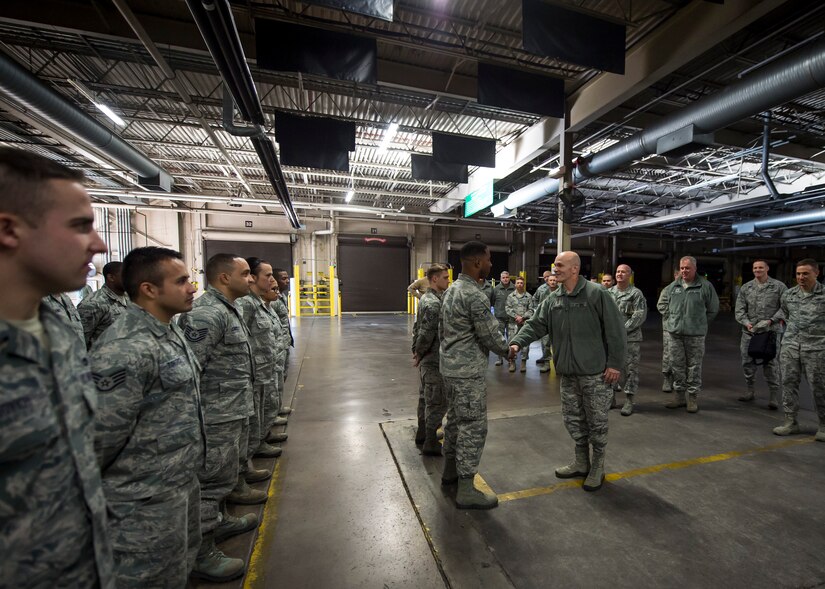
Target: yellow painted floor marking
{"x":536,"y":491}
{"x":254,"y":573}
{"x":482,"y":485}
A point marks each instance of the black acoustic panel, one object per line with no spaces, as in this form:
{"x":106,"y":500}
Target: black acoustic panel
{"x":518,"y":90}
{"x":314,"y":142}
{"x":426,"y":168}
{"x":378,"y":8}
{"x":573,"y":37}
{"x":285,"y":47}
{"x":459,"y":149}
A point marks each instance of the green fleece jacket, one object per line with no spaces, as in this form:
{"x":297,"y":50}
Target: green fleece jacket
{"x":688,"y":310}
{"x":585,"y":327}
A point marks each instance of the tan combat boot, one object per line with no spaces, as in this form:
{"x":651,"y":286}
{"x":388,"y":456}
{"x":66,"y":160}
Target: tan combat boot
{"x":595,"y":478}
{"x":468,"y":497}
{"x":579,"y":468}
{"x":789,"y":427}
{"x":677,"y":401}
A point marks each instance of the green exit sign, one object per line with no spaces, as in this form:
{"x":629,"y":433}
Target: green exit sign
{"x":478,"y":200}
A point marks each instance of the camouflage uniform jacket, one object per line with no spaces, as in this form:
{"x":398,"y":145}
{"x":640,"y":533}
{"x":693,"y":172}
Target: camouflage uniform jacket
{"x":99,"y":311}
{"x":425,"y":340}
{"x":487,"y":290}
{"x":279,"y":352}
{"x":51,"y":500}
{"x":467,"y":330}
{"x":262,"y":337}
{"x":688,"y":310}
{"x":149,"y":426}
{"x":541,"y":292}
{"x":633,"y":306}
{"x":215,"y":331}
{"x":499,"y":299}
{"x":282,"y":310}
{"x":519,"y":304}
{"x":585,"y":327}
{"x":759,"y":302}
{"x":805,"y":314}
{"x":63,"y":306}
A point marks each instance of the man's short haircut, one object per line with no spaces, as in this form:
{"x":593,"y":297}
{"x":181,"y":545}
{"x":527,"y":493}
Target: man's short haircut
{"x":503,"y":272}
{"x":472,"y":249}
{"x":547,"y":273}
{"x":23,"y":178}
{"x":761,"y":260}
{"x":276,"y":271}
{"x":519,"y":278}
{"x":255,"y":265}
{"x":143,"y":265}
{"x":112,"y":268}
{"x":219,"y":264}
{"x":690,"y":258}
{"x":435,"y":269}
{"x":808,"y":262}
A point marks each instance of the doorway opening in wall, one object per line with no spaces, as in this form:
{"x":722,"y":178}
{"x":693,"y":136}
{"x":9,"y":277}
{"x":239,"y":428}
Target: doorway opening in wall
{"x":373,"y":272}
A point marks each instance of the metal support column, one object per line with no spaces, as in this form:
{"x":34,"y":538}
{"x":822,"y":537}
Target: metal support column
{"x":565,"y":160}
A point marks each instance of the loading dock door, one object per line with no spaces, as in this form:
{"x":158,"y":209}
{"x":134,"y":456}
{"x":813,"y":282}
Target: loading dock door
{"x":374,"y":272}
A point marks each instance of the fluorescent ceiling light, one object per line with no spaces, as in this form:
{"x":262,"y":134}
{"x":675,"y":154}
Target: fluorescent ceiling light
{"x":389,"y":134}
{"x":110,"y":113}
{"x":349,"y":196}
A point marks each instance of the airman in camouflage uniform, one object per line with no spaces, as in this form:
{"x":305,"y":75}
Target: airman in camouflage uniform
{"x":587,"y":332}
{"x":468,"y":333}
{"x":273,"y":405}
{"x":633,"y":307}
{"x":215,"y":331}
{"x":149,"y":427}
{"x":101,"y":309}
{"x":803,"y":347}
{"x":53,"y":528}
{"x":667,"y":369}
{"x":64,"y":308}
{"x":282,"y":309}
{"x":688,"y":305}
{"x":262,"y":338}
{"x":501,"y":291}
{"x":519,"y":308}
{"x":757,"y":310}
{"x":542,"y":292}
{"x":425,"y":351}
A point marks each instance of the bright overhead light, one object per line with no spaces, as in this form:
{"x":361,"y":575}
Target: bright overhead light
{"x":349,"y":196}
{"x":389,"y":134}
{"x":110,"y":113}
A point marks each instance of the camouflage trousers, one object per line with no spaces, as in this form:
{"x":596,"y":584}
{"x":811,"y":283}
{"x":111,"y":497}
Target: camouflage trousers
{"x":585,"y":403}
{"x":771,"y":370}
{"x":434,"y":398}
{"x":466,"y":429}
{"x":503,"y":326}
{"x":272,"y":401}
{"x":245,"y":449}
{"x":546,"y":350}
{"x":686,"y":355}
{"x":224,"y":444}
{"x":629,"y":380}
{"x":421,"y":410}
{"x":155,"y":540}
{"x":513,"y":329}
{"x":795,"y":363}
{"x":667,"y":370}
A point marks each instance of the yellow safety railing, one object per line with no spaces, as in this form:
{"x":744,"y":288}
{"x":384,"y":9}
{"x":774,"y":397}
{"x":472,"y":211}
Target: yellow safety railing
{"x":319,"y":299}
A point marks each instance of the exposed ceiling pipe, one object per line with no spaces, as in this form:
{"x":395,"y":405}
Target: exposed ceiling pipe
{"x":766,"y":151}
{"x":25,"y":90}
{"x":217,"y":26}
{"x":791,"y":219}
{"x":794,"y":75}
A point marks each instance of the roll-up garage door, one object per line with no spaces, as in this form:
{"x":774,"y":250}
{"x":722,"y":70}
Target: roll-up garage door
{"x":277,"y":254}
{"x":374,"y":272}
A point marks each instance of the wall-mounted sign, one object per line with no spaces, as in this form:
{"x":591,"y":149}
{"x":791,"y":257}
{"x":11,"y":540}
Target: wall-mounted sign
{"x":478,"y":199}
{"x":247,"y":223}
{"x":374,"y":230}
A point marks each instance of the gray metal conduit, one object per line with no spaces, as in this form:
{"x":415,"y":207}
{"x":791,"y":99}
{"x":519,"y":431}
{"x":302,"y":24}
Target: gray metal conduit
{"x":794,"y":75}
{"x":791,"y":219}
{"x":217,"y":26}
{"x":26,"y":90}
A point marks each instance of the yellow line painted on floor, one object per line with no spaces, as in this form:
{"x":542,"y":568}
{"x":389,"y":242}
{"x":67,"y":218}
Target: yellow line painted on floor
{"x":482,"y":485}
{"x":254,"y":572}
{"x":534,"y":492}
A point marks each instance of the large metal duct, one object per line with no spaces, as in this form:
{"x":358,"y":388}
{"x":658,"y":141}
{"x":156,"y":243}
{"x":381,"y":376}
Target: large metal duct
{"x":794,"y":75}
{"x":25,"y":90}
{"x":789,"y":220}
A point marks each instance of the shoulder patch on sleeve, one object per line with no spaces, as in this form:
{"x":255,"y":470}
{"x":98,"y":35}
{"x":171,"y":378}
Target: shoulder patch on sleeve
{"x":109,"y":379}
{"x":195,"y":335}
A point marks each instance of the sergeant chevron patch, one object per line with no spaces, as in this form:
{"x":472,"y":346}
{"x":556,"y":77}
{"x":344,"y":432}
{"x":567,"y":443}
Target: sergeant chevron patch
{"x":109,"y":379}
{"x":195,"y":335}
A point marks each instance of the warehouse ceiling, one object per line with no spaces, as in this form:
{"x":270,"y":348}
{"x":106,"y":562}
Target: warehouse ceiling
{"x":677,"y":52}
